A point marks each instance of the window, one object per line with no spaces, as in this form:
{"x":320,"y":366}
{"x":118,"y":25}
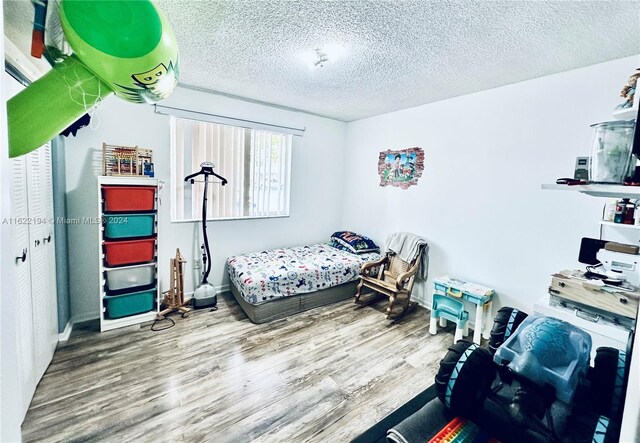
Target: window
{"x":256,"y":164}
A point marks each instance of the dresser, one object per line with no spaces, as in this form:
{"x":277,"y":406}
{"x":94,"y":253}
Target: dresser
{"x":128,"y":259}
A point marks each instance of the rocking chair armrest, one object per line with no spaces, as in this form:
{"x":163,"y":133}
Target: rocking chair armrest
{"x":372,"y":264}
{"x":405,"y":275}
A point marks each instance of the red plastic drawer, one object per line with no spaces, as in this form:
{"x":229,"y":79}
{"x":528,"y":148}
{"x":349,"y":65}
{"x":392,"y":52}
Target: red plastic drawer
{"x":128,"y":198}
{"x":129,"y":252}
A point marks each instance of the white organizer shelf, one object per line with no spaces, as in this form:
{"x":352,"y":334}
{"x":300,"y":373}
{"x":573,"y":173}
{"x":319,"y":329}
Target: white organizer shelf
{"x":619,"y":225}
{"x":626,"y":114}
{"x":595,"y":190}
{"x":107,"y":324}
{"x":631,"y":408}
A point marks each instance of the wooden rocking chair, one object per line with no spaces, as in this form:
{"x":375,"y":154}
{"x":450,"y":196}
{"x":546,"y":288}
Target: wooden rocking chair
{"x":395,"y":279}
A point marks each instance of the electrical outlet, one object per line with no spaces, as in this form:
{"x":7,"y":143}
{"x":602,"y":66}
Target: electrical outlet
{"x":197,"y":263}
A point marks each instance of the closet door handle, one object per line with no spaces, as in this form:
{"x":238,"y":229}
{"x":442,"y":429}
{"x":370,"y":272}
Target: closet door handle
{"x":47,"y":239}
{"x":23,"y":257}
{"x":37,"y":242}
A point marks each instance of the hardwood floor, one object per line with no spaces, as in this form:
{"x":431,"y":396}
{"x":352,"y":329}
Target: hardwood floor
{"x":323,"y":375}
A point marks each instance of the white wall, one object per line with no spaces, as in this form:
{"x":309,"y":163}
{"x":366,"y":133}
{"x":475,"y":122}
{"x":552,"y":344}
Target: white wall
{"x":316,"y":189}
{"x":479,"y":201}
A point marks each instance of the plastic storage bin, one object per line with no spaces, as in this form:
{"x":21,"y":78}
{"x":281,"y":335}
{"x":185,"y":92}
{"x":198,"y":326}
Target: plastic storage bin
{"x":548,"y":350}
{"x":132,"y":277}
{"x":128,"y":198}
{"x":118,"y":306}
{"x":458,"y":288}
{"x":129,"y":252}
{"x":611,"y":151}
{"x":128,"y":225}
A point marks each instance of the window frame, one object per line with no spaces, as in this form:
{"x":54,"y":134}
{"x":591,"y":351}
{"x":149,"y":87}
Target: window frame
{"x":175,"y":178}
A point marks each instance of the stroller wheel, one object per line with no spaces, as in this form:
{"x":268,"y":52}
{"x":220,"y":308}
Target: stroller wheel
{"x":465,"y":377}
{"x":504,"y":325}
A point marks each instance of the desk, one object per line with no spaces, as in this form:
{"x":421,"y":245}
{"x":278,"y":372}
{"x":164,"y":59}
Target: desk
{"x":480,"y":296}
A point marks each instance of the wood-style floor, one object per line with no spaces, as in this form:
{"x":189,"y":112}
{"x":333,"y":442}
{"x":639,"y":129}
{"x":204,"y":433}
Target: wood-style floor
{"x":325,"y":375}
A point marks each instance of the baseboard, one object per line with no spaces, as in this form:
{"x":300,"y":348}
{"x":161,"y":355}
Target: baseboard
{"x":219,"y":289}
{"x":64,"y":335}
{"x":87,"y":316}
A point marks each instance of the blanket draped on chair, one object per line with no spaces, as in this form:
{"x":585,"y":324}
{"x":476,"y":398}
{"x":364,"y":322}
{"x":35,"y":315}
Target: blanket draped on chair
{"x":405,"y":245}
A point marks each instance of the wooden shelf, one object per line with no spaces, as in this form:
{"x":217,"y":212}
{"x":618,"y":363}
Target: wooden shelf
{"x":618,"y":225}
{"x":612,"y":191}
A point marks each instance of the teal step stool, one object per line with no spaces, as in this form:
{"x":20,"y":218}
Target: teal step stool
{"x":446,"y":308}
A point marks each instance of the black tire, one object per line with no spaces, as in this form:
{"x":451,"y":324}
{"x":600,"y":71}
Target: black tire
{"x":504,"y":325}
{"x":609,"y":381}
{"x":465,"y":377}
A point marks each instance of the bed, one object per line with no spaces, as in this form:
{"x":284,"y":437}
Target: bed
{"x":276,"y":283}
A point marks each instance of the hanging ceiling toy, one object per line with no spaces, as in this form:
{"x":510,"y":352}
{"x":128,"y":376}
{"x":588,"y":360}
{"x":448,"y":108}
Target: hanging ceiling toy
{"x":126,"y":47}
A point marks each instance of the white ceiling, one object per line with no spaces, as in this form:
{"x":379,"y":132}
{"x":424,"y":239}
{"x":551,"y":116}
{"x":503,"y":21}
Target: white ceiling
{"x":396,"y":54}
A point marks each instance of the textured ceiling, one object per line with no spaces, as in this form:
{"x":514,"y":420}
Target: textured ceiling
{"x":398,"y":54}
{"x":395,"y":54}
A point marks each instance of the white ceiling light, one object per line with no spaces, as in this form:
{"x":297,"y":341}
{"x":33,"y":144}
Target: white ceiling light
{"x":314,"y":58}
{"x":319,"y":57}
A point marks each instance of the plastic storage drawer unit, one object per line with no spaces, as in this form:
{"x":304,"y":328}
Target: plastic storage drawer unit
{"x":128,"y":225}
{"x":133,"y":277}
{"x":129,"y":252}
{"x":129,"y":304}
{"x":128,"y":198}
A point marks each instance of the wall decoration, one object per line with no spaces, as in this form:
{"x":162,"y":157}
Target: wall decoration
{"x":401,"y":168}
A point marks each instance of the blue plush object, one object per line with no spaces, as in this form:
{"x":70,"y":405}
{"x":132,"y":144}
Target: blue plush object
{"x":352,"y":242}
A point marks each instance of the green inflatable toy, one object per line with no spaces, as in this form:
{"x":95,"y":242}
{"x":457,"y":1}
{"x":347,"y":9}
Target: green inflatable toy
{"x":126,"y":47}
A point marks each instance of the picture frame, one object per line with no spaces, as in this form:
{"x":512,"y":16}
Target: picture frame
{"x":401,"y":168}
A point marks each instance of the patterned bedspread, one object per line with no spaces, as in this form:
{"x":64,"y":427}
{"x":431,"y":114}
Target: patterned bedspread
{"x":267,"y":275}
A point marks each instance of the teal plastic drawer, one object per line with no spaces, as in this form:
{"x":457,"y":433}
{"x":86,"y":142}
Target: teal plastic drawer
{"x":129,"y":304}
{"x":128,"y":225}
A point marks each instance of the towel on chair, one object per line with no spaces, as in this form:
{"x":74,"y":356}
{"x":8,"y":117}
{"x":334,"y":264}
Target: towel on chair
{"x":406,"y":246}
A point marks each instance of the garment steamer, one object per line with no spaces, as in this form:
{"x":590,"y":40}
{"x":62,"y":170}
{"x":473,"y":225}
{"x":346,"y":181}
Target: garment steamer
{"x":205,"y":295}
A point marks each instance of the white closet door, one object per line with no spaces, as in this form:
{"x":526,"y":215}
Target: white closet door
{"x":22,"y":245}
{"x":47,"y":174}
{"x":41,"y":291}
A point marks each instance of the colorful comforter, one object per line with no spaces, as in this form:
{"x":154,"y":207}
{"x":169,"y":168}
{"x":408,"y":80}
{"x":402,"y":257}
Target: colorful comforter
{"x":268,"y":275}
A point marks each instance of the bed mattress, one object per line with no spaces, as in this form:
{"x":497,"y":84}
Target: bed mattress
{"x":265,"y":276}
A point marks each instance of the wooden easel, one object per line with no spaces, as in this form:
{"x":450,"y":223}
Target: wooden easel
{"x":173,"y":299}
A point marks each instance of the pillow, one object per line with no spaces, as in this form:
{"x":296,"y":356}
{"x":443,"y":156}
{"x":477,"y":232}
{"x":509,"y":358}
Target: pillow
{"x":353,"y":242}
{"x":335,"y":244}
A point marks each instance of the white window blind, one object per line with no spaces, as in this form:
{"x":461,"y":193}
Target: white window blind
{"x":256,"y":163}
